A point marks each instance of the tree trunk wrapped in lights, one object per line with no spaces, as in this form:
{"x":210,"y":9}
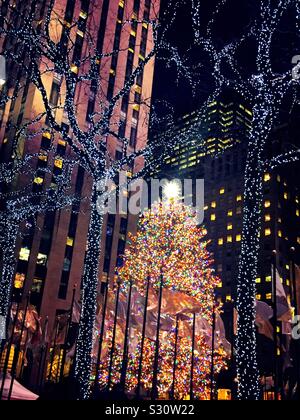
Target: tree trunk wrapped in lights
{"x":89,"y":294}
{"x":169,"y":248}
{"x":264,"y":89}
{"x":8,"y":261}
{"x":247,"y":366}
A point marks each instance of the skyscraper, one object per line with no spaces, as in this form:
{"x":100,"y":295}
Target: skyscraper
{"x":221,"y":163}
{"x":51,"y":249}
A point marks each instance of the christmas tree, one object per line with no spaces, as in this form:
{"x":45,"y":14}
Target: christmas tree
{"x":170,"y":268}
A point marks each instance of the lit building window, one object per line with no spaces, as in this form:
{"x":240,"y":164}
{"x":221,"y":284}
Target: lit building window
{"x":267,"y":218}
{"x":230,"y":213}
{"x":279,"y":234}
{"x":104,"y":277}
{"x":268,"y":279}
{"x":258,"y":297}
{"x":238,"y":238}
{"x":229,"y":226}
{"x":286,"y":196}
{"x":222,"y":191}
{"x":220,"y":241}
{"x":47,"y":135}
{"x":213,"y":217}
{"x":138,"y":89}
{"x":43,"y":158}
{"x":239,"y":198}
{"x":258,"y":280}
{"x":214,"y":204}
{"x":268,"y":232}
{"x":267,"y":177}
{"x":297,"y":212}
{"x":83,"y":14}
{"x":74,"y":69}
{"x":298,"y":240}
{"x":228,"y":298}
{"x":269,"y":296}
{"x":62,"y":142}
{"x":24,"y":254}
{"x":37,"y":285}
{"x":42,"y":259}
{"x":58,"y":163}
{"x":38,"y":180}
{"x":229,"y":238}
{"x":267,"y":204}
{"x":220,"y":284}
{"x":70,"y":241}
{"x":19,"y":281}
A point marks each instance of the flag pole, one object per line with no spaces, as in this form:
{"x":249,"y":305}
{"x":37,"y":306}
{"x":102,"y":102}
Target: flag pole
{"x":293,"y":277}
{"x":296,"y":303}
{"x":113,"y":336}
{"x":154,"y":391}
{"x":175,"y":358}
{"x":125,"y":349}
{"x":212,"y":367}
{"x":24,"y":354}
{"x":18,"y":348}
{"x":54,"y":347}
{"x":8,"y":350}
{"x":69,"y":324}
{"x":43,"y":354}
{"x":193,"y":358}
{"x":138,"y":389}
{"x":101,"y":338}
{"x":44,"y":360}
{"x":274,"y":296}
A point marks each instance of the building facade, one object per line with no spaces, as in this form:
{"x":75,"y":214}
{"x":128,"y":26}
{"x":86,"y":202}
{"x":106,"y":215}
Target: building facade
{"x":51,"y":249}
{"x":221,"y":163}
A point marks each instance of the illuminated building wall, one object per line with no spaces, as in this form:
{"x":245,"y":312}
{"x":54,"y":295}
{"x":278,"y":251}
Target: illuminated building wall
{"x":51,"y":254}
{"x":228,"y":121}
{"x":223,"y":174}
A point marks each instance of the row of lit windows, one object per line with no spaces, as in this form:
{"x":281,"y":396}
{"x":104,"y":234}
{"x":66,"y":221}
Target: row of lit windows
{"x":24,"y":253}
{"x":229,"y":239}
